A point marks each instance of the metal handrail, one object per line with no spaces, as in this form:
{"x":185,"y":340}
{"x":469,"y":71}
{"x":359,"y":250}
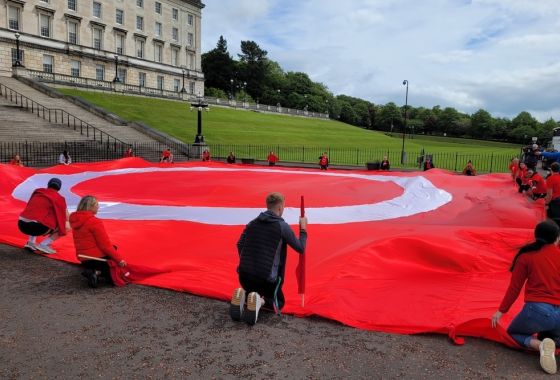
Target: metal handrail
{"x":57,"y":116}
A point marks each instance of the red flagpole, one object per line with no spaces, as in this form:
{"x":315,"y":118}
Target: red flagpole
{"x":301,"y":264}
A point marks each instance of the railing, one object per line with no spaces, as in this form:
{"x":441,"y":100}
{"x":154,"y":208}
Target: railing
{"x":57,"y":116}
{"x":37,"y":154}
{"x":64,"y":79}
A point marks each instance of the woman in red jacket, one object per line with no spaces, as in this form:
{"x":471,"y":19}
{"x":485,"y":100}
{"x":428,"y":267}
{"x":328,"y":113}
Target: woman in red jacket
{"x":537,"y":266}
{"x":93,"y":247}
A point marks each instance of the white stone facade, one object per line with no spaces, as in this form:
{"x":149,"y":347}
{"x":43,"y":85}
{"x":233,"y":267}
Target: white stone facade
{"x":157,"y":42}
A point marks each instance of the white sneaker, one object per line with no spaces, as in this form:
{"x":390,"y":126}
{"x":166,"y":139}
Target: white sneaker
{"x":254,"y":303}
{"x":237,"y":304}
{"x":45,"y":249}
{"x":547,"y":349}
{"x":30,"y":246}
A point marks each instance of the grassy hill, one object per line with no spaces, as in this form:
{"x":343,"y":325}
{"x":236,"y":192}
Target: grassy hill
{"x":237,"y":129}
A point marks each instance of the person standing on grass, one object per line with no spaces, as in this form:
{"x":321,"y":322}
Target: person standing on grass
{"x":272,"y":159}
{"x":44,"y":215}
{"x":537,"y":267}
{"x":262,"y":249}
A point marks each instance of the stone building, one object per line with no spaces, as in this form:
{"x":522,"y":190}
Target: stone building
{"x":145,"y":43}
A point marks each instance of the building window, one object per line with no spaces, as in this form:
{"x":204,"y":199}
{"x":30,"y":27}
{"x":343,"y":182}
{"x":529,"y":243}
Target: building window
{"x":140,"y":3}
{"x":160,"y":82}
{"x":14,"y":15}
{"x":158,"y":7}
{"x":175,"y":14}
{"x":190,"y":20}
{"x":97,"y":38}
{"x":119,"y":17}
{"x":190,"y":39}
{"x":73,"y":28}
{"x":158,"y":29}
{"x":96,"y":9}
{"x":191,"y":87}
{"x":175,"y":57}
{"x":120,"y":42}
{"x":191,"y":61}
{"x":140,"y":44}
{"x":99,"y":72}
{"x":176,"y":85}
{"x":48,"y":63}
{"x":122,"y":74}
{"x":15,"y":57}
{"x":75,"y":68}
{"x":142,"y":79}
{"x":45,"y":25}
{"x":72,"y":5}
{"x":139,"y":22}
{"x":158,"y":52}
{"x":175,"y":34}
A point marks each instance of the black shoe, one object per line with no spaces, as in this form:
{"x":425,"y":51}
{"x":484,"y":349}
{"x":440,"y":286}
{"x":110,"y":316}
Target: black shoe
{"x":93,"y":280}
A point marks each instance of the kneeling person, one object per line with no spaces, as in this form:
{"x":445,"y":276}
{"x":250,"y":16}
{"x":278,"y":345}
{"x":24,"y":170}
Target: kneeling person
{"x":93,"y":247}
{"x":262,"y":250}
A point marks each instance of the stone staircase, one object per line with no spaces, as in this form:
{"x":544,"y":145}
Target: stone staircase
{"x":122,"y":132}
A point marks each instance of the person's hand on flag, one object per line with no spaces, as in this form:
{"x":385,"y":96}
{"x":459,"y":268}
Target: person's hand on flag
{"x":495,"y":318}
{"x":303,"y":223}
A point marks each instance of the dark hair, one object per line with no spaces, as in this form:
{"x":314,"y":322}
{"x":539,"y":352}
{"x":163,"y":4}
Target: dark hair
{"x":546,"y":232}
{"x":65,"y":153}
{"x":555,"y":167}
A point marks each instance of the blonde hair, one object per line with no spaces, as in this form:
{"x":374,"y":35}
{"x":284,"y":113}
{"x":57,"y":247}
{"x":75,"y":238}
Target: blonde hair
{"x":273,"y":200}
{"x":87,"y":203}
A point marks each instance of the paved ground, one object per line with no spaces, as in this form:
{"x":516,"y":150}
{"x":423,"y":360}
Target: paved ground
{"x":53,"y":326}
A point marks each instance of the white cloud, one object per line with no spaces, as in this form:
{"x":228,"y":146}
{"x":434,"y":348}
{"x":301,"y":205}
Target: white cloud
{"x":499,"y":55}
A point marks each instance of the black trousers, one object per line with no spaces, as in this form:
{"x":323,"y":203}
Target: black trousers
{"x":265,"y":289}
{"x":101,"y":266}
{"x":553,"y":211}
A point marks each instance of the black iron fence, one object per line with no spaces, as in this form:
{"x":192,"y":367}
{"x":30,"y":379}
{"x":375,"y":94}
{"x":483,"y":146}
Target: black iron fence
{"x":41,"y":154}
{"x":57,"y":116}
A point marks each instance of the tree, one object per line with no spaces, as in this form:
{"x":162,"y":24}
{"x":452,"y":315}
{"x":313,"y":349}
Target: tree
{"x":482,"y":124}
{"x":390,"y":116}
{"x":218,"y":67}
{"x":447,"y":122}
{"x":253,"y":67}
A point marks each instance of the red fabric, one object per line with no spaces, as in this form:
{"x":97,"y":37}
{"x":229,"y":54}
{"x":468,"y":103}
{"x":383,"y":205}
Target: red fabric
{"x":272,"y":158}
{"x":541,"y":270}
{"x":443,"y":271}
{"x":300,"y":270}
{"x":553,"y":183}
{"x":538,"y":184}
{"x":47,"y":207}
{"x":90,"y":237}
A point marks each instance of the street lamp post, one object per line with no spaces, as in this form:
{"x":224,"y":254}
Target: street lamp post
{"x":244,"y":93}
{"x":116,"y":79}
{"x":403,"y":153}
{"x":200,"y":105}
{"x":231,"y":89}
{"x":17,"y":63}
{"x":183,"y":89}
{"x":278,"y":104}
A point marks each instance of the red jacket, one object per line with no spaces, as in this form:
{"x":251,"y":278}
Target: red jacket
{"x":90,"y":237}
{"x":47,"y":207}
{"x":538,"y":184}
{"x":272,"y":158}
{"x":541,"y":270}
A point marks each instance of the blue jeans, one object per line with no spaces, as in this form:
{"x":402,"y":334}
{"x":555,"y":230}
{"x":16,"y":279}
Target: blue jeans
{"x":536,"y":318}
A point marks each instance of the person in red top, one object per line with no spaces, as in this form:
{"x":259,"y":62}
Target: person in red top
{"x":44,"y":215}
{"x":513,"y":167}
{"x":537,"y":185}
{"x":428,"y":164}
{"x":324,"y":161}
{"x":16,"y":160}
{"x":166,"y":156}
{"x":93,"y":247}
{"x":128,"y":153}
{"x":537,"y":267}
{"x":206,"y":155}
{"x":385,"y":164}
{"x":272,"y":159}
{"x":521,"y":177}
{"x":552,"y":199}
{"x":469,"y":169}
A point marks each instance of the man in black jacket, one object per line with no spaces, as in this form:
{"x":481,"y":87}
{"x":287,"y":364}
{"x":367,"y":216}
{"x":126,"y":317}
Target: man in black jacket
{"x":262,"y":250}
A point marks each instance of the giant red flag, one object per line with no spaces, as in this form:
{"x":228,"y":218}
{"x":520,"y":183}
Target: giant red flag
{"x":395,"y":252}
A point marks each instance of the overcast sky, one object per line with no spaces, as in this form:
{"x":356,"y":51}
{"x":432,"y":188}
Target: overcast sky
{"x":499,"y":55}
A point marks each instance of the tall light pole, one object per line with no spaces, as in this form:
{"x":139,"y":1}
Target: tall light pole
{"x":231,"y":89}
{"x":17,"y":63}
{"x":278,"y":105}
{"x":116,"y":79}
{"x":200,"y":105}
{"x":403,"y":153}
{"x":183,"y":89}
{"x":244,"y":92}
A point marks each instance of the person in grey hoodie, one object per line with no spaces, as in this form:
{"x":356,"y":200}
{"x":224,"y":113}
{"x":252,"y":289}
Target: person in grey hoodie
{"x":262,"y":250}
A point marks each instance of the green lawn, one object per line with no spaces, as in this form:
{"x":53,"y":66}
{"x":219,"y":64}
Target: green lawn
{"x":240,"y":128}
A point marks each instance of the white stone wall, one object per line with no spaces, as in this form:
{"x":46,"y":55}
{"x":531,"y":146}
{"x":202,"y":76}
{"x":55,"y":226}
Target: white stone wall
{"x":57,"y":45}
